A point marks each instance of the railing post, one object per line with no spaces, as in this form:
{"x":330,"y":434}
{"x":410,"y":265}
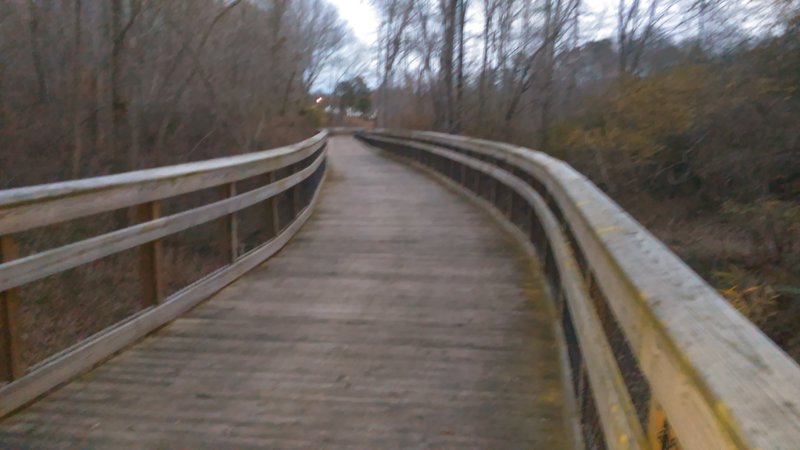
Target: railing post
{"x":531,"y":217}
{"x":150,"y":256}
{"x":297,"y":195}
{"x":272,"y":217}
{"x":511,"y":207}
{"x":11,"y":366}
{"x":493,"y":194}
{"x":581,"y":384}
{"x":230,"y":225}
{"x":289,"y":199}
{"x":659,"y":433}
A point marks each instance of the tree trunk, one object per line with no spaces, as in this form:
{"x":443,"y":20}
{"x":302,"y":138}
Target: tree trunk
{"x":548,"y":68}
{"x":488,"y":12}
{"x":102,"y":114}
{"x":119,"y":106}
{"x":278,"y":62}
{"x":287,"y":93}
{"x":36,"y":51}
{"x":77,"y":92}
{"x":449,"y":13}
{"x":459,"y":112}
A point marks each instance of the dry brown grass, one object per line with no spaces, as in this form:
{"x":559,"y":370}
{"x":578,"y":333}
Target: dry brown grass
{"x":737,"y":254}
{"x":64,"y":309}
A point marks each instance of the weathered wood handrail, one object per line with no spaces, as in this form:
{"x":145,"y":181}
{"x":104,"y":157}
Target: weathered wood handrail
{"x":37,"y":206}
{"x":37,"y":266}
{"x":32,"y":207}
{"x":654,"y":351}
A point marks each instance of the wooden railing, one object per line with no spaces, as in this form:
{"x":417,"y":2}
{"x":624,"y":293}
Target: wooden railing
{"x":657,"y":359}
{"x":295,"y":172}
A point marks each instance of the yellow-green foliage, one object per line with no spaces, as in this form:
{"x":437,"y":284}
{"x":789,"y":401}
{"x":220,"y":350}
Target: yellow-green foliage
{"x":632,"y":136}
{"x":755,"y":301}
{"x":639,"y":122}
{"x":315,"y":115}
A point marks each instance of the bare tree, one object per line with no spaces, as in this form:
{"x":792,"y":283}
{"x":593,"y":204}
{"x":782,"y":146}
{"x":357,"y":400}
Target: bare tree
{"x":460,"y":27}
{"x":489,"y":9}
{"x":449,"y":13}
{"x":34,"y":21}
{"x":557,"y":14}
{"x":77,"y":89}
{"x":637,"y":24}
{"x":396,"y":16}
{"x":103,"y":86}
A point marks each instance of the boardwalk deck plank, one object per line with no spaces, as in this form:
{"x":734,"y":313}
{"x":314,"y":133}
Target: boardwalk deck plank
{"x":399,"y":317}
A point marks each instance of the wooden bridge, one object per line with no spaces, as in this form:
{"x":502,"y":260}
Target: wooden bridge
{"x":431,"y":291}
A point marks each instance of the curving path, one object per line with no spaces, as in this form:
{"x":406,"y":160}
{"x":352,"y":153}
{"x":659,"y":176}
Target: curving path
{"x":400,"y":317}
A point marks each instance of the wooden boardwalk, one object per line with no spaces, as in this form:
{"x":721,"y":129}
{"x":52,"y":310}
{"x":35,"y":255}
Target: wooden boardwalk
{"x":400,"y":317}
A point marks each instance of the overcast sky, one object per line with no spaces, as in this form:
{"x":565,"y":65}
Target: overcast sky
{"x":363,"y":20}
{"x":361,"y":17}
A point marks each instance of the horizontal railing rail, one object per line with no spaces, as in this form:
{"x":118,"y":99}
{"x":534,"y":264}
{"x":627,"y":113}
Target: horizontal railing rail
{"x":37,"y":206}
{"x":657,"y":358}
{"x":289,"y":183}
